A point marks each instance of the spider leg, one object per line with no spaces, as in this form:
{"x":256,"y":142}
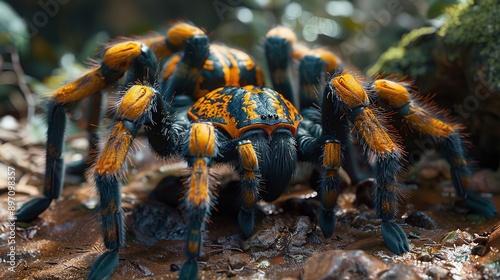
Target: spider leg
{"x":344,"y":95}
{"x":132,"y":112}
{"x":314,"y":65}
{"x":422,"y":118}
{"x":201,"y":147}
{"x":165,"y":45}
{"x":181,"y":72}
{"x":324,"y":151}
{"x":250,"y":182}
{"x":279,"y":51}
{"x":329,"y":186}
{"x":311,"y":80}
{"x":116,"y":60}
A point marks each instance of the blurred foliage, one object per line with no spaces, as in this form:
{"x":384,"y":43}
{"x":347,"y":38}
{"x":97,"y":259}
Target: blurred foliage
{"x":59,"y":38}
{"x":466,"y":25}
{"x":476,"y":23}
{"x":13,"y":30}
{"x":358,"y":30}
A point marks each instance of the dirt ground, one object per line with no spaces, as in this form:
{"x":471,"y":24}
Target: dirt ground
{"x":445,"y":241}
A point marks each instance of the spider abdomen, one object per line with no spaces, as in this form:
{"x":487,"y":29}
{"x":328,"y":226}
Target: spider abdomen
{"x":239,"y":109}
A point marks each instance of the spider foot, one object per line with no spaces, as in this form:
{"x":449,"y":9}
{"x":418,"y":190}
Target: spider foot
{"x":480,"y":205}
{"x":327,"y":221}
{"x":31,"y":209}
{"x":104,"y":266}
{"x":246,"y":221}
{"x":395,"y":238}
{"x":189,"y":270}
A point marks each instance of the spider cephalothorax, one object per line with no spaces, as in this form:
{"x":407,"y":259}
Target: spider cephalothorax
{"x":211,"y":106}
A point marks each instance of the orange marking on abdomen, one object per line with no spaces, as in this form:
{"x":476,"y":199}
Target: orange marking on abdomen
{"x":170,"y":67}
{"x":157,"y":44}
{"x":233,"y":71}
{"x":115,"y":152}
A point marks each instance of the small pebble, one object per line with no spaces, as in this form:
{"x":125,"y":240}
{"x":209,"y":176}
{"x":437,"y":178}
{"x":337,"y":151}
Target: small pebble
{"x":429,"y":173}
{"x":264,"y":264}
{"x":8,"y":122}
{"x":364,"y":193}
{"x":174,"y":267}
{"x":237,"y":261}
{"x":399,"y":271}
{"x":425,"y":258}
{"x":479,"y":250}
{"x":494,"y":238}
{"x":422,"y":220}
{"x":436,"y":272}
{"x":456,"y":238}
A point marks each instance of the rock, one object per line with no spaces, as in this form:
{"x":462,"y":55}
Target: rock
{"x":174,"y":267}
{"x":262,"y":239}
{"x":341,"y":264}
{"x":301,"y":229}
{"x":429,"y":173}
{"x":8,"y":122}
{"x":456,"y":238}
{"x":425,"y":257}
{"x":364,"y":193}
{"x":399,"y":272}
{"x":437,"y":273}
{"x":238,"y":261}
{"x":479,"y":250}
{"x":484,"y":181}
{"x":494,"y":238}
{"x":422,"y":220}
{"x":154,"y":221}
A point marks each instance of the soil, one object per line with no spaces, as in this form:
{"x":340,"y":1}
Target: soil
{"x":445,"y":241}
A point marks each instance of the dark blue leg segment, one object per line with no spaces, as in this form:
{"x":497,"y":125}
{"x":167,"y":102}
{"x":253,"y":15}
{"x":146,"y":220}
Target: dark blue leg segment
{"x":190,"y":270}
{"x":385,"y":204}
{"x":54,"y":168}
{"x":104,"y":266}
{"x":113,"y":228}
{"x":329,"y":192}
{"x":311,"y":81}
{"x":460,"y":176}
{"x":278,"y":52}
{"x":250,"y":182}
{"x":329,"y":187}
{"x":246,"y":221}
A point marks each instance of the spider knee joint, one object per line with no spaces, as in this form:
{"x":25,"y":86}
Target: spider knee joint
{"x":202,"y":140}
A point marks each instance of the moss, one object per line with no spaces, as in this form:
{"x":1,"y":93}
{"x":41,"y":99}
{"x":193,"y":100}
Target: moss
{"x":475,"y":23}
{"x":405,"y":59}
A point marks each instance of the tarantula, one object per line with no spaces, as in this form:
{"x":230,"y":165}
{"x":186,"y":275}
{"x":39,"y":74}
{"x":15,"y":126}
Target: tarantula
{"x":211,"y":106}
